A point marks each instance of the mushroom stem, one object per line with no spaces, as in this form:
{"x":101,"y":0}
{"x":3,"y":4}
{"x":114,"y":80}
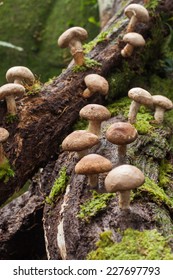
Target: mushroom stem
{"x":11,"y":105}
{"x":127,"y":51}
{"x":81,"y":154}
{"x":124,"y":200}
{"x":2,"y":155}
{"x":93,"y":180}
{"x":122,"y":153}
{"x":134,"y":108}
{"x":159,"y":114}
{"x":18,"y":81}
{"x":132,"y":23}
{"x":76,"y":50}
{"x":94,"y":127}
{"x":86,"y":93}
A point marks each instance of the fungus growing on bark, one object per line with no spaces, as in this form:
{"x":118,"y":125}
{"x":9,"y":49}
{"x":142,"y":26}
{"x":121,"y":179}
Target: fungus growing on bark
{"x":91,"y":165}
{"x":123,"y":179}
{"x":95,"y":84}
{"x":9,"y":92}
{"x":121,"y":134}
{"x":140,"y":97}
{"x":161,"y":104}
{"x":95,"y":114}
{"x":20,"y":75}
{"x":132,"y":40}
{"x":136,"y":13}
{"x":80,"y":141}
{"x":73,"y":38}
{"x":4,"y":134}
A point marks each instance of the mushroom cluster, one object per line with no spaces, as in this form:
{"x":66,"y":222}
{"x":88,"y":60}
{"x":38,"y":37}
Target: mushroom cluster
{"x":136,"y":13}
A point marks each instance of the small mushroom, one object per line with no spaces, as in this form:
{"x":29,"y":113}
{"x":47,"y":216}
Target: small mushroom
{"x":20,"y":75}
{"x":80,"y":141}
{"x":132,"y":40}
{"x":140,"y":97}
{"x":136,"y":13}
{"x":92,"y":165}
{"x":161,"y":103}
{"x":73,"y":38}
{"x":96,"y":114}
{"x":121,"y":134}
{"x":123,"y":179}
{"x":4,"y":134}
{"x":95,"y":84}
{"x":9,"y":92}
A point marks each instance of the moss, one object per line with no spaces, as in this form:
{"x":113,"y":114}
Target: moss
{"x":6,"y":171}
{"x":135,"y":245}
{"x":59,"y":186}
{"x":33,"y":89}
{"x":165,"y":172}
{"x":143,"y":119}
{"x":156,"y":193}
{"x":80,"y":125}
{"x":120,"y":107}
{"x":100,"y":38}
{"x":11,"y":118}
{"x":94,"y":205}
{"x":89,"y":63}
{"x":152,"y":5}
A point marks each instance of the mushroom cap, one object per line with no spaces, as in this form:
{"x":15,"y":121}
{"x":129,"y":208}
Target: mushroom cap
{"x":162,"y":101}
{"x":11,"y":89}
{"x":79,"y":140}
{"x":124,"y":178}
{"x":141,"y":96}
{"x":121,"y":133}
{"x":4,"y":134}
{"x":72,"y":33}
{"x":20,"y":73}
{"x":134,"y":39}
{"x":96,"y":83}
{"x":93,"y":164}
{"x":95,"y":112}
{"x":138,"y":10}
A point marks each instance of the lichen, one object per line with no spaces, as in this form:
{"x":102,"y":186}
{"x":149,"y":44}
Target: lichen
{"x":6,"y":172}
{"x":94,"y":205}
{"x":134,"y":245}
{"x":59,"y":186}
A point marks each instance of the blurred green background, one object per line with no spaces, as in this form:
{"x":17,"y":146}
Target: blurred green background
{"x":35,"y":26}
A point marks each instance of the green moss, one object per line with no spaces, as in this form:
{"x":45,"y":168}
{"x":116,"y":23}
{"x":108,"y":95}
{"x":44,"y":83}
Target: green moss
{"x":100,"y":38}
{"x":59,"y":186}
{"x":80,"y":125}
{"x":6,"y":171}
{"x":135,"y":245}
{"x":33,"y":89}
{"x":143,"y":119}
{"x":120,"y":107}
{"x":152,"y":5}
{"x":156,"y":193}
{"x":89,"y":63}
{"x":165,"y":172}
{"x":11,"y":118}
{"x":94,"y":205}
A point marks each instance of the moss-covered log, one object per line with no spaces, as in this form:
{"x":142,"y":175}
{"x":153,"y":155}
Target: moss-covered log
{"x":44,"y":119}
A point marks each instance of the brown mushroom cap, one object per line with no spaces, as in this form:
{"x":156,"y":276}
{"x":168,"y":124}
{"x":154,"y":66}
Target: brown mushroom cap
{"x":124,"y":178}
{"x":162,"y":101}
{"x":79,"y":140}
{"x":11,"y":89}
{"x":72,"y":33}
{"x":20,"y":73}
{"x":4,"y":134}
{"x":121,"y":133}
{"x":96,"y":83}
{"x":93,"y":164}
{"x":141,"y":96}
{"x":95,"y":112}
{"x":138,"y":10}
{"x":134,"y":39}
